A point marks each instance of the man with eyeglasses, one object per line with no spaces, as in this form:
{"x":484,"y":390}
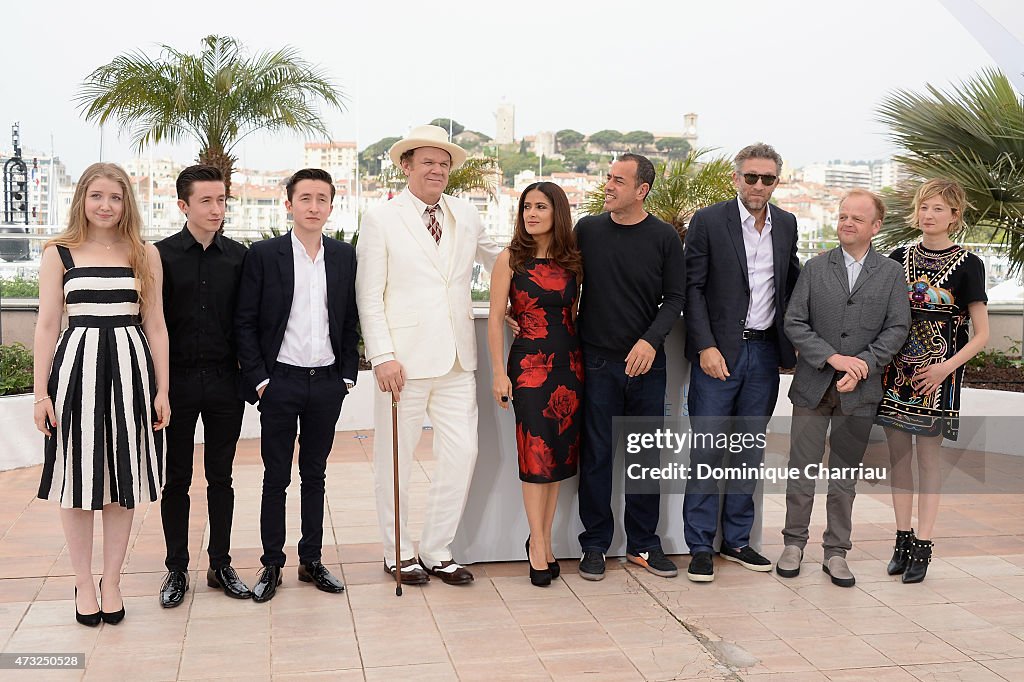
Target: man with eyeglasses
{"x":741,"y":267}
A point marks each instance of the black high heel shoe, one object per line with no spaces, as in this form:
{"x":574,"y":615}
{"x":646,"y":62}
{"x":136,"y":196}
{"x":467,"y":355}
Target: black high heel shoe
{"x":920,"y":557}
{"x":901,"y":552}
{"x":554,"y":569}
{"x":111,"y":618}
{"x":538,"y":578}
{"x":89,"y":619}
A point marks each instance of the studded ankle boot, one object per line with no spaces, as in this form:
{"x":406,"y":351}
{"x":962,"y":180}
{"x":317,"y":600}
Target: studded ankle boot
{"x":901,"y":552}
{"x":920,"y":557}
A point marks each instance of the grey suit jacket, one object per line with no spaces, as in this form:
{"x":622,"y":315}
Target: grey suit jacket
{"x":824,"y":317}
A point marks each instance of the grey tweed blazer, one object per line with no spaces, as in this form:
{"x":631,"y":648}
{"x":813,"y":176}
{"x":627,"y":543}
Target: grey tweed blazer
{"x":824,"y":317}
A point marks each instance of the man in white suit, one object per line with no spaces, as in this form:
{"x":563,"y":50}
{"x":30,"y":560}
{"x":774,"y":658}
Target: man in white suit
{"x":416,"y":255}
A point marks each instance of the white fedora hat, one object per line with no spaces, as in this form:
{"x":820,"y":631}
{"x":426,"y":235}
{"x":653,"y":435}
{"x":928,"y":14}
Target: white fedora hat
{"x":427,"y":136}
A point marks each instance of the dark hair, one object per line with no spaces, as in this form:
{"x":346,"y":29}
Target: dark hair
{"x":644,"y":170}
{"x":308,"y":174}
{"x":563,"y":249}
{"x":194,"y":174}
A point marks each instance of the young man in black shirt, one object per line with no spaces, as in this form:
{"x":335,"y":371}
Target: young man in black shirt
{"x":202,"y":271}
{"x":633,"y":290}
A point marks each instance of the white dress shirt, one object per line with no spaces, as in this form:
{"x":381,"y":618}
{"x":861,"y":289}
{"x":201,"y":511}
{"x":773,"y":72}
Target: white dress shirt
{"x":760,"y":269}
{"x":307,"y":336}
{"x":853,"y":267}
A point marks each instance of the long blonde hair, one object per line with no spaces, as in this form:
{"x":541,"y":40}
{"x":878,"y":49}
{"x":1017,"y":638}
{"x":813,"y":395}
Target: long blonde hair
{"x":129,"y":227}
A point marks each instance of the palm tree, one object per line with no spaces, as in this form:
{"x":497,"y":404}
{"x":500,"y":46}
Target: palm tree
{"x":682,"y":187}
{"x":974,"y":135}
{"x":216,"y":97}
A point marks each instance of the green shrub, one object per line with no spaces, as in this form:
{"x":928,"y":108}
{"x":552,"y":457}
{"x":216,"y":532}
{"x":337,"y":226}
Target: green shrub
{"x":15,"y":369}
{"x":19,"y":287}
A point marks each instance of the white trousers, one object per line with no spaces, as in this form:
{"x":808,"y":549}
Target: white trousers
{"x":450,"y":402}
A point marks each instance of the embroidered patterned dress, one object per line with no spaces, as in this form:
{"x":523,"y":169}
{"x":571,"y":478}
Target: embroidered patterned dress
{"x":545,"y":365}
{"x":941,"y":284}
{"x":104,"y":449}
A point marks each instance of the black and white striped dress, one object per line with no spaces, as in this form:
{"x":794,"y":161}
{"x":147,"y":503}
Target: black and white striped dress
{"x":102,"y":385}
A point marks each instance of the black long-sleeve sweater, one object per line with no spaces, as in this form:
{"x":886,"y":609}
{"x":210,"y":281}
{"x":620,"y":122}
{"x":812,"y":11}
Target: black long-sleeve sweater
{"x":634,"y":284}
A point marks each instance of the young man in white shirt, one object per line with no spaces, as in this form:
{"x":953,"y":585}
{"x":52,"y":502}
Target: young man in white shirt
{"x":298,"y":349}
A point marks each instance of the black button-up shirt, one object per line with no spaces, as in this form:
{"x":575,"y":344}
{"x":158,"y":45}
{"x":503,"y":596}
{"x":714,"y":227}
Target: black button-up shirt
{"x":200,"y":293}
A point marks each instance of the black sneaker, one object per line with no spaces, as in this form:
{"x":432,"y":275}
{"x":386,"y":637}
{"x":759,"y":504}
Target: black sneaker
{"x":655,"y":561}
{"x":592,"y":565}
{"x":702,"y":568}
{"x":747,"y":558}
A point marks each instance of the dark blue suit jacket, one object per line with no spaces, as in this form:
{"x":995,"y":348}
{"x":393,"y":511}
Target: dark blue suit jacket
{"x":717,"y":288}
{"x":265,"y":301}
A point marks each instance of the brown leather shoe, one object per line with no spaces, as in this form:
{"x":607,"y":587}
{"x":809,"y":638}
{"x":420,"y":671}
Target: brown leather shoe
{"x":450,"y":572}
{"x":412,"y":573}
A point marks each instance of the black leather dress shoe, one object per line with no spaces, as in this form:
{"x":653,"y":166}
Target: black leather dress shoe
{"x":173,"y":590}
{"x":266,"y":585}
{"x":316,"y":573}
{"x":226,"y":579}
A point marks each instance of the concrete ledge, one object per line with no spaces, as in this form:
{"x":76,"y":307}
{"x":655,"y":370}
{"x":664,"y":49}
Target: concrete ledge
{"x":985,"y":419}
{"x":21,"y":445}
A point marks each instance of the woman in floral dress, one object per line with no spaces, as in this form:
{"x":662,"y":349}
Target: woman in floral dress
{"x":540,"y":274}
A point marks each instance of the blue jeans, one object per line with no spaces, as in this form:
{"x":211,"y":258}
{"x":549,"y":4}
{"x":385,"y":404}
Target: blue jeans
{"x":749,"y":393}
{"x":610,"y":393}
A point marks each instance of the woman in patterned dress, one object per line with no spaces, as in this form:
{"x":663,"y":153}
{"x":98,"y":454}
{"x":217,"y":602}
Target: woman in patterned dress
{"x":101,"y":383}
{"x":540,"y":274}
{"x":921,"y":399}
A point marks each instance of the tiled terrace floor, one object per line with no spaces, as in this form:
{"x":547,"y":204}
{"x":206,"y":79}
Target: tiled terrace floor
{"x":966,"y":622}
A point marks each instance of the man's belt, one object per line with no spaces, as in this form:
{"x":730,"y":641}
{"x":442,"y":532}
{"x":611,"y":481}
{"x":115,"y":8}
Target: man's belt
{"x":759,"y":334}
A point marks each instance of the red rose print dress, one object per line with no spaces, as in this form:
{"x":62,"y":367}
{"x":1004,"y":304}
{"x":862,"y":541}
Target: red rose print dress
{"x":546,"y":369}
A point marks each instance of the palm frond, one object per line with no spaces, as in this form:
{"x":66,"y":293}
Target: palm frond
{"x":216,"y":97}
{"x":973,"y":134}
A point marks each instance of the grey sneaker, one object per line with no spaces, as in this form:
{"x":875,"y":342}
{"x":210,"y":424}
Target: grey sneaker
{"x":838,"y":569}
{"x":592,"y":565}
{"x":788,"y":565}
{"x":655,"y":561}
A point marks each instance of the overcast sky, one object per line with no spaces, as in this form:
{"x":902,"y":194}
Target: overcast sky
{"x":804,"y":75}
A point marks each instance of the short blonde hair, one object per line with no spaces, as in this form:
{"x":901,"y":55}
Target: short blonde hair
{"x":950,"y":191}
{"x":875,"y":199}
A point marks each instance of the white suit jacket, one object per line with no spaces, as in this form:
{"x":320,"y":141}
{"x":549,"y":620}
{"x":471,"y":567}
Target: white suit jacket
{"x":413,"y":307}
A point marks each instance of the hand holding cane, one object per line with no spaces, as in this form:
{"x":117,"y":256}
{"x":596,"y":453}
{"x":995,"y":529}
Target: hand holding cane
{"x":398,"y":514}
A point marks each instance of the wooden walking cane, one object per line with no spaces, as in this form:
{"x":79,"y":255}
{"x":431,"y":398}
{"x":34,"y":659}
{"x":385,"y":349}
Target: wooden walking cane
{"x":398,"y":513}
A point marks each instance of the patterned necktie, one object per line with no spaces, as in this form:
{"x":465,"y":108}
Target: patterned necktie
{"x":432,"y":224}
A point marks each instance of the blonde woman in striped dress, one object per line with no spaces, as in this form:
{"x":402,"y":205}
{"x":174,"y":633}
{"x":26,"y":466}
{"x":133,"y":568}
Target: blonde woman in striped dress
{"x":101,"y":383}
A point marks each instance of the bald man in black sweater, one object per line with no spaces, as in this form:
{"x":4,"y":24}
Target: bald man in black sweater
{"x":634,"y":285}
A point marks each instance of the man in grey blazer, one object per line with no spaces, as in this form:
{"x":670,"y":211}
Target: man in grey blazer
{"x":848,"y":316}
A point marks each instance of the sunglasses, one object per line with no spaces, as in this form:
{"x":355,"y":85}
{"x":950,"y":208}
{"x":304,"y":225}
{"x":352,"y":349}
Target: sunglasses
{"x":766,"y":180}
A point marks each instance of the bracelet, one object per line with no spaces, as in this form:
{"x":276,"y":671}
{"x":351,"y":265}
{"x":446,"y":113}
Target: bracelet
{"x":45,"y":397}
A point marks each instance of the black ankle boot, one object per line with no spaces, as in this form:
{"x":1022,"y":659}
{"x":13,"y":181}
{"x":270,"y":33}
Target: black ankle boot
{"x":901,"y":552}
{"x":920,"y":557}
